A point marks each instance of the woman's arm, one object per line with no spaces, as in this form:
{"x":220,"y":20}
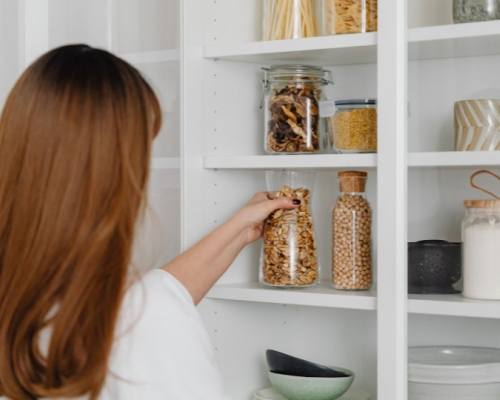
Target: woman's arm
{"x":203,"y":264}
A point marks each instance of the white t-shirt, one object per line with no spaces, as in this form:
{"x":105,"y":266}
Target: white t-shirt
{"x":162,"y":350}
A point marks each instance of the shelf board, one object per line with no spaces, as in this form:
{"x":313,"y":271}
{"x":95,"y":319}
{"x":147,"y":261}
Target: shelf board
{"x":324,"y":50}
{"x":447,"y":159}
{"x":453,"y":305}
{"x":310,"y":161}
{"x":446,"y":41}
{"x":322,"y":296}
{"x":455,"y":159}
{"x":458,"y":40}
{"x":325,"y":296}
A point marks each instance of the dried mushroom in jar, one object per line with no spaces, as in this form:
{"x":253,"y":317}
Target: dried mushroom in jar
{"x":293,"y":124}
{"x":289,"y":257}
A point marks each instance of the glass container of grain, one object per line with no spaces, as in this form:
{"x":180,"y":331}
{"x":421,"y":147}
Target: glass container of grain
{"x":349,"y":16}
{"x":475,"y":10}
{"x":352,"y":222}
{"x":290,"y":19}
{"x":353,"y":127}
{"x":289,"y":247}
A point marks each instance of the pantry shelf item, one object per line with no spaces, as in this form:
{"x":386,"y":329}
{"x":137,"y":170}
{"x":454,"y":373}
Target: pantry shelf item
{"x":453,"y":372}
{"x":282,"y":363}
{"x":349,"y":16}
{"x":353,"y":128}
{"x":475,"y":10}
{"x":434,"y":266}
{"x":301,"y":388}
{"x":289,"y":257}
{"x":290,"y":19}
{"x":477,"y":125}
{"x":291,"y":102}
{"x":481,"y":237}
{"x":351,"y":248}
{"x":272,"y":394}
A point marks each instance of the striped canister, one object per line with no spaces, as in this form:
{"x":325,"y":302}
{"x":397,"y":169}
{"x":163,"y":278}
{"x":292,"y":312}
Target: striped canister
{"x":477,"y":125}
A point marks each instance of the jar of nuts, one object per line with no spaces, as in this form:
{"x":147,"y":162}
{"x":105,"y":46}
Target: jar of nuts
{"x":353,"y":127}
{"x":291,"y":101}
{"x":352,"y":220}
{"x":289,"y":247}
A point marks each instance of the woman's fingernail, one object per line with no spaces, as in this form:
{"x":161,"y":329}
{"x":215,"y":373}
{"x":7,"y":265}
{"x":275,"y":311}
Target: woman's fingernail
{"x":296,"y":202}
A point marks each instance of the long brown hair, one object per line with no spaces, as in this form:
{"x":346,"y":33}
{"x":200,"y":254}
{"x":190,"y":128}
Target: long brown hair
{"x":75,"y":143}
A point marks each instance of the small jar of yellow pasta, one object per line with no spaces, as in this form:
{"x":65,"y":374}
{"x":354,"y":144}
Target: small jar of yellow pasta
{"x":349,"y":16}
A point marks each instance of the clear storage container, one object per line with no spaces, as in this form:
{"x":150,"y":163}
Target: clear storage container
{"x":481,"y":246}
{"x":349,"y":16}
{"x":291,"y":101}
{"x":290,"y":19}
{"x":475,"y":10}
{"x":353,"y":127}
{"x":289,"y":257}
{"x":352,"y":221}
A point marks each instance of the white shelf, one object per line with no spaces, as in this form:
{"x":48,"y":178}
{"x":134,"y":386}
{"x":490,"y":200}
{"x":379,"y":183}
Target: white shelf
{"x":455,"y":159}
{"x":325,"y":50}
{"x":447,"y":41}
{"x":310,"y":161}
{"x":165,"y":163}
{"x":322,"y":296}
{"x":453,"y":305}
{"x":326,"y":296}
{"x":333,"y":161}
{"x":152,"y":56}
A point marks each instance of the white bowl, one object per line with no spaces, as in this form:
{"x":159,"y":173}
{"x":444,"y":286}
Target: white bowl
{"x":453,"y":372}
{"x":272,"y":394}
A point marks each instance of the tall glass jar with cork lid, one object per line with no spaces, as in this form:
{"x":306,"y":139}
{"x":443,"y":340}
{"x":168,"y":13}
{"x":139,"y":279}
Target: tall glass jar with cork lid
{"x":351,"y":247}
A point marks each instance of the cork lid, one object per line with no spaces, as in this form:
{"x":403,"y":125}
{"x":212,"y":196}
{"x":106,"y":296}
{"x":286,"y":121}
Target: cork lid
{"x":352,"y":181}
{"x":482,"y":203}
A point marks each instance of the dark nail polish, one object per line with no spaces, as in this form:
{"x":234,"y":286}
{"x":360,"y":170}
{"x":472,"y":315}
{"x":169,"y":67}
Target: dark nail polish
{"x":296,"y":202}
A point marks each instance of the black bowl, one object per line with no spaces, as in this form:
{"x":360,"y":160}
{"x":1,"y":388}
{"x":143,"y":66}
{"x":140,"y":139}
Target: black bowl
{"x":281,"y":363}
{"x":434,"y":266}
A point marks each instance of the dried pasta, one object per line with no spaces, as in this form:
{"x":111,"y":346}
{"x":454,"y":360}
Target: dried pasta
{"x":290,"y":19}
{"x":350,"y":16}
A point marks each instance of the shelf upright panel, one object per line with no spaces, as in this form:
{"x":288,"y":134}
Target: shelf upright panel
{"x":392,"y":325}
{"x":192,"y":128}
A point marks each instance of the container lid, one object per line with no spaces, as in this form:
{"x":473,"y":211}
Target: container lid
{"x":355,"y":102}
{"x":458,"y":365}
{"x":352,"y":181}
{"x":482,"y":203}
{"x":299,"y":72}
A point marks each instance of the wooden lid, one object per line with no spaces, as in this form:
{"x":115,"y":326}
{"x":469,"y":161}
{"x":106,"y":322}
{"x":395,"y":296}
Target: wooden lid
{"x":482,"y":203}
{"x":352,"y":181}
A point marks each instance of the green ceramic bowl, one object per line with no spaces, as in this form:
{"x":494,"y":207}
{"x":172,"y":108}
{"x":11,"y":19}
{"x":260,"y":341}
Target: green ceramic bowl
{"x":302,"y":388}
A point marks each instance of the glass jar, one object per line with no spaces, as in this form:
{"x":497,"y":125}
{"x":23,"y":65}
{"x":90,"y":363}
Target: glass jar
{"x":475,"y":10}
{"x":289,"y":258}
{"x":349,"y":16}
{"x":481,"y":250}
{"x":351,"y":247}
{"x":291,"y":100}
{"x":353,"y":127}
{"x":290,"y":19}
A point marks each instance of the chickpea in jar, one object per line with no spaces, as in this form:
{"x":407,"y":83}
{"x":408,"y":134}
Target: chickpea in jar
{"x":351,"y":247}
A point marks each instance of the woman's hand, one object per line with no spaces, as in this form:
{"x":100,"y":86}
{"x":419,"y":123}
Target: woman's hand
{"x":253,"y":215}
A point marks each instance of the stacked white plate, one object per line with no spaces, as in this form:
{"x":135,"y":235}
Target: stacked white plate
{"x":272,"y":394}
{"x":453,"y":373}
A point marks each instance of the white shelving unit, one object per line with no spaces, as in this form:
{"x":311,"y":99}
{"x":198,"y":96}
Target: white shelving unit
{"x":416,"y":185}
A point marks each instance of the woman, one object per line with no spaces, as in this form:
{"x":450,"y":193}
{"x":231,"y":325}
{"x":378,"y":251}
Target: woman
{"x":75,"y":144}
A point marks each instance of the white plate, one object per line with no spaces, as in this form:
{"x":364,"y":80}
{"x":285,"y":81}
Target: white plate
{"x":453,"y":365}
{"x":272,"y":394}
